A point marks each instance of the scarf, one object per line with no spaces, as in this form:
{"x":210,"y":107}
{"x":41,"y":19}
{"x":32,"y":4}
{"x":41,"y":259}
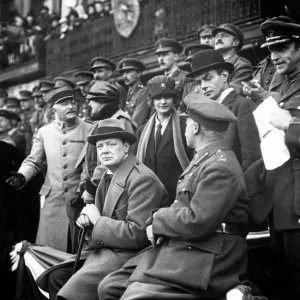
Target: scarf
{"x":177,"y":137}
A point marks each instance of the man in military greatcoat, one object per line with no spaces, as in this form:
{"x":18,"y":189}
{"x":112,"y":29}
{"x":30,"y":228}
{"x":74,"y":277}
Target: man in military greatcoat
{"x":59,"y":144}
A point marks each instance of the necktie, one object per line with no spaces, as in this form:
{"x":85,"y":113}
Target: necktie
{"x":157,"y":136}
{"x":108,"y":178}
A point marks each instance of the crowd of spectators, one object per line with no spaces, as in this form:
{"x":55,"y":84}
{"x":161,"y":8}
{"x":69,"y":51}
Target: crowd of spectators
{"x":22,"y":39}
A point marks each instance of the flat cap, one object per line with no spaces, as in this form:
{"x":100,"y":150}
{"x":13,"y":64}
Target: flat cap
{"x":12,"y":101}
{"x":3,"y":93}
{"x":61,"y":94}
{"x":25,"y":95}
{"x":165,"y":44}
{"x":205,"y":30}
{"x":206,"y":60}
{"x":190,"y":50}
{"x":83,"y":77}
{"x":208,"y":113}
{"x":102,"y":62}
{"x":232,"y":29}
{"x":9,"y":114}
{"x":46,"y":85}
{"x":62,"y":81}
{"x":280,"y":30}
{"x":131,"y":64}
{"x":103,"y":92}
{"x":161,"y":85}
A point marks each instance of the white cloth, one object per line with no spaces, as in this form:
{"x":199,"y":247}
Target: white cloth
{"x":273,"y":147}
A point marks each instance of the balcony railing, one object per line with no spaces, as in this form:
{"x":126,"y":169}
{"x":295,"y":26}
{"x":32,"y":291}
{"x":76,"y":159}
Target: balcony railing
{"x":178,"y":19}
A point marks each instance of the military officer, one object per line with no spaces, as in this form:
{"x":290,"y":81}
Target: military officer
{"x":136,"y":101}
{"x":206,"y":36}
{"x":3,"y":95}
{"x":283,"y":40}
{"x":46,"y":87}
{"x":167,"y":51}
{"x":199,"y":249}
{"x":12,"y":104}
{"x":63,"y":81}
{"x":103,"y":68}
{"x":228,"y":41}
{"x":25,"y":126}
{"x":59,"y":143}
{"x":84,"y":81}
{"x":37,"y":118}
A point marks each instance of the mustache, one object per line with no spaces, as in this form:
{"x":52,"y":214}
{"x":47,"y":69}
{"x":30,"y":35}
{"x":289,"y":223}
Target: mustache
{"x":219,"y":42}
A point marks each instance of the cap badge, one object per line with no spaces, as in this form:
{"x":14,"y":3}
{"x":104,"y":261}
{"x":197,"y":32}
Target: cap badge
{"x":270,"y":33}
{"x":163,"y":85}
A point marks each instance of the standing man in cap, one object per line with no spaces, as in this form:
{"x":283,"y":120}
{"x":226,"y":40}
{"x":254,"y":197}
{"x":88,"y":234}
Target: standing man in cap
{"x":206,"y":36}
{"x":63,"y":81}
{"x":125,"y":196}
{"x":136,"y":102}
{"x":199,"y":248}
{"x":168,"y":51}
{"x":12,"y":104}
{"x":84,"y":81}
{"x":59,"y":143}
{"x":228,"y":41}
{"x":212,"y":73}
{"x":283,"y":40}
{"x":162,"y":145}
{"x":25,"y":126}
{"x":37,"y":118}
{"x":46,"y":87}
{"x":3,"y":95}
{"x":103,"y":68}
{"x":192,"y":86}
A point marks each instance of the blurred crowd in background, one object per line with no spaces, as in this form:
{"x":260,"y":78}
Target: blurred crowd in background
{"x":22,"y":39}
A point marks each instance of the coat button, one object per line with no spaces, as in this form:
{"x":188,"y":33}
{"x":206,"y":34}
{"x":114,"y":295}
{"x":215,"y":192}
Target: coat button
{"x":65,"y":178}
{"x":64,"y":142}
{"x":179,"y":180}
{"x":298,"y":107}
{"x":267,"y":81}
{"x":298,"y":221}
{"x":281,"y":104}
{"x":64,"y":154}
{"x":270,"y":72}
{"x":64,"y":166}
{"x":183,"y":189}
{"x":175,"y":201}
{"x":65,"y":190}
{"x":190,"y":248}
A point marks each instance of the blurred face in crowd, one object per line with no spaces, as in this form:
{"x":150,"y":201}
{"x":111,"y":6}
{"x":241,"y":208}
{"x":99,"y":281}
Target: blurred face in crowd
{"x":112,"y":152}
{"x":5,"y":125}
{"x":208,"y":39}
{"x":167,"y":60}
{"x":18,"y":21}
{"x":66,"y":110}
{"x":84,"y":88}
{"x":46,"y":95}
{"x":131,"y":77}
{"x":286,"y":57}
{"x":29,"y":19}
{"x":91,"y":10}
{"x":212,"y":83}
{"x":98,"y":7}
{"x":26,"y":104}
{"x":13,"y":107}
{"x":191,"y":129}
{"x":225,"y":41}
{"x":102,"y":74}
{"x":163,"y":105}
{"x":39,"y":101}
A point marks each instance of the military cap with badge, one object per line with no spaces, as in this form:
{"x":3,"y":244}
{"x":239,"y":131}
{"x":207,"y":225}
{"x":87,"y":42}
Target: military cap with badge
{"x":83,"y":77}
{"x":62,"y":94}
{"x":233,"y":30}
{"x":166,"y":44}
{"x":131,"y":64}
{"x":206,"y":30}
{"x":25,"y":95}
{"x":46,"y":85}
{"x":280,"y":30}
{"x":63,"y":81}
{"x":102,"y":62}
{"x":12,"y":102}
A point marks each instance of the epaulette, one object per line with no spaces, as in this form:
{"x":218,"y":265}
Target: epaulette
{"x":221,"y":156}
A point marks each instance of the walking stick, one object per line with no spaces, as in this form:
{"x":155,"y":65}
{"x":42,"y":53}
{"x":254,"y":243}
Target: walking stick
{"x":83,"y":231}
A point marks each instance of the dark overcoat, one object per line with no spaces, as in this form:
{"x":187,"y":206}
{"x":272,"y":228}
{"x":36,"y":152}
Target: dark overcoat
{"x":243,"y":135}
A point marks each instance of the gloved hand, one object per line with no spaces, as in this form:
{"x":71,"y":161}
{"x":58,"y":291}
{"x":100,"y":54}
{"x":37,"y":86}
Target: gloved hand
{"x":74,"y":206}
{"x":17,"y":180}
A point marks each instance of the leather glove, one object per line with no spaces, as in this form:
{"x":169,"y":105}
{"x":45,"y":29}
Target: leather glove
{"x":17,"y":180}
{"x":74,"y":206}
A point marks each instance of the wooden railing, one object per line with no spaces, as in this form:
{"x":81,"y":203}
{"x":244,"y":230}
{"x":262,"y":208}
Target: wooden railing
{"x":178,"y":19}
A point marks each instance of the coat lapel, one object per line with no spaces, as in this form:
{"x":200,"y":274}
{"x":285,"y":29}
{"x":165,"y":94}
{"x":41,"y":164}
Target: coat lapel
{"x":229,"y":98}
{"x":166,"y":138}
{"x":117,"y":185}
{"x":294,"y":89}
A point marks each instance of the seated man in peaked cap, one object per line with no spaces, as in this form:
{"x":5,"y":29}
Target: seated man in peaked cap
{"x":229,"y":40}
{"x":206,"y":36}
{"x":199,"y":248}
{"x":126,"y":194}
{"x":46,"y":87}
